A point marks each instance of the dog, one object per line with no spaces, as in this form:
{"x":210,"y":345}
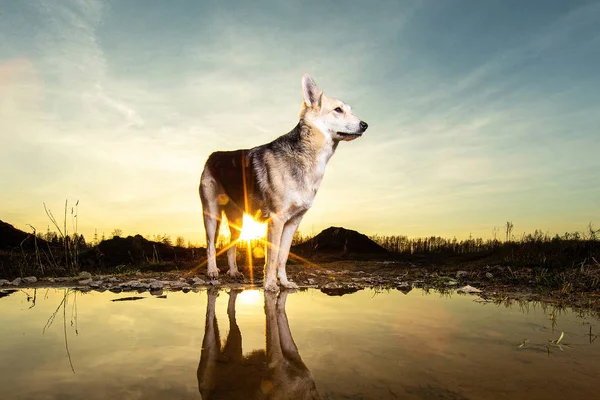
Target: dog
{"x":276,"y":372}
{"x":275,"y":182}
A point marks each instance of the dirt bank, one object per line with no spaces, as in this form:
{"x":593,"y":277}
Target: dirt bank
{"x":492,"y":283}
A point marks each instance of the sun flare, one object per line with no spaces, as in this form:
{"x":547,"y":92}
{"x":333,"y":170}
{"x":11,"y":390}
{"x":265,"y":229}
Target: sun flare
{"x":251,"y":229}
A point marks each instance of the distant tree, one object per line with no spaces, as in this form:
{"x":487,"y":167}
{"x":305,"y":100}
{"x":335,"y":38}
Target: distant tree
{"x":167,"y":240}
{"x":298,"y":238}
{"x":117,"y":233}
{"x":495,"y":231}
{"x":180,"y":241}
{"x":81,"y":244}
{"x":509,"y":229}
{"x":593,"y":233}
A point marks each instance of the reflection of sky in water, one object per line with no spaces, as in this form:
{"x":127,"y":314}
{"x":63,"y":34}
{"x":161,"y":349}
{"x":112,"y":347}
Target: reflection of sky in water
{"x":364,"y":344}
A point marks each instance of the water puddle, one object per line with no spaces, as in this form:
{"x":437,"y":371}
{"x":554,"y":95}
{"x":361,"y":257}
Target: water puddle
{"x":60,"y":343}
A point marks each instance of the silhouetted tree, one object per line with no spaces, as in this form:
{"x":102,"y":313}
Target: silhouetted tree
{"x":117,"y":233}
{"x":509,"y":228}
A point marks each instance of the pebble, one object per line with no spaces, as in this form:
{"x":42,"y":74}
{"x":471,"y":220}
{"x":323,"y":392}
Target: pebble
{"x":85,"y":281}
{"x":30,"y":279}
{"x":85,"y":275}
{"x":198,"y":281}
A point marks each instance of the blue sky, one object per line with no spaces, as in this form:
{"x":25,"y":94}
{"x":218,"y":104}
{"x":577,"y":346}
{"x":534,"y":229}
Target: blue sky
{"x":480,"y":112}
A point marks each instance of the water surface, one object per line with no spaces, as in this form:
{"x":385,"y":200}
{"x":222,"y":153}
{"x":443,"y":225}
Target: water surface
{"x":58,"y":343}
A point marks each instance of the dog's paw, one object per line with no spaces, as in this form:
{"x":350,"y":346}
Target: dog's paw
{"x":289,"y":285}
{"x":212,"y":273}
{"x":236,"y":275}
{"x":271,"y":286}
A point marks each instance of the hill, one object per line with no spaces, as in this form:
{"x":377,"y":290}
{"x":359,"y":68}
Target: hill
{"x":337,"y":241}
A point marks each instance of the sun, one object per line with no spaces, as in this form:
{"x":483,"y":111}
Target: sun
{"x":251,"y":229}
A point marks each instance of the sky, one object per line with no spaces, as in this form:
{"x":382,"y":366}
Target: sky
{"x":479,"y":112}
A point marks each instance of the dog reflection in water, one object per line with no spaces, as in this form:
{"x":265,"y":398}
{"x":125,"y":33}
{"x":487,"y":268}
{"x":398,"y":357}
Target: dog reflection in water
{"x":225,"y":373}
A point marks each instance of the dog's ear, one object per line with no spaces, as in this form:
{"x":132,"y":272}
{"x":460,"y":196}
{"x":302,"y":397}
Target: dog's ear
{"x":311,"y":92}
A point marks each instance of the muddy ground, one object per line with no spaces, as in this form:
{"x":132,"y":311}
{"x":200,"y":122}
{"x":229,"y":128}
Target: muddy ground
{"x":497,"y":284}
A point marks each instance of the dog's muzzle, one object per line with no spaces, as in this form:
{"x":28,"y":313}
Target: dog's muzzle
{"x":349,"y":136}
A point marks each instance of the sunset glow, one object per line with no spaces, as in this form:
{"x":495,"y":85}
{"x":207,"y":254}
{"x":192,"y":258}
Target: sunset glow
{"x":251,"y":229}
{"x":478,"y":114}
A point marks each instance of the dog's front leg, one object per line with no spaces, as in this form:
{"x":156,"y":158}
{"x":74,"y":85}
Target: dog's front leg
{"x":284,"y":250}
{"x":274,"y":230}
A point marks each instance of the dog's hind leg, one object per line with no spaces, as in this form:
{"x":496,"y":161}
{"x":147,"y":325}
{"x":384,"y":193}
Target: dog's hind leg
{"x":284,"y":250}
{"x":235,"y":223}
{"x":212,"y":220}
{"x":211,"y":348}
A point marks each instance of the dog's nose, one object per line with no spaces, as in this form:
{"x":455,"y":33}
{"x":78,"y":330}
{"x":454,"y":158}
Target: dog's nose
{"x":363,"y":125}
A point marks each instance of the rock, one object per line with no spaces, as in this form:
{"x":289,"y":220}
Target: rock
{"x":113,"y":279}
{"x":157,"y":285}
{"x":311,"y":281}
{"x":450,"y":282}
{"x":176,"y":285}
{"x":96,"y":284}
{"x":85,"y":275}
{"x":489,"y":275}
{"x":116,"y":289}
{"x":4,"y":282}
{"x":51,"y":280}
{"x":461,"y":274}
{"x":156,"y":292}
{"x":85,"y":282}
{"x":30,"y":279}
{"x":63,"y":279}
{"x":214,"y":282}
{"x":16,"y":282}
{"x":468,"y":289}
{"x":135,"y":284}
{"x":186,"y":289}
{"x":198,"y":281}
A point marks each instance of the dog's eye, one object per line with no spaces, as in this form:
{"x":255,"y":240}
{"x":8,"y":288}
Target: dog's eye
{"x":338,"y":110}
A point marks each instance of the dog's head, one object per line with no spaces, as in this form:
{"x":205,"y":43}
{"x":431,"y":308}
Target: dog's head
{"x":331,"y":116}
